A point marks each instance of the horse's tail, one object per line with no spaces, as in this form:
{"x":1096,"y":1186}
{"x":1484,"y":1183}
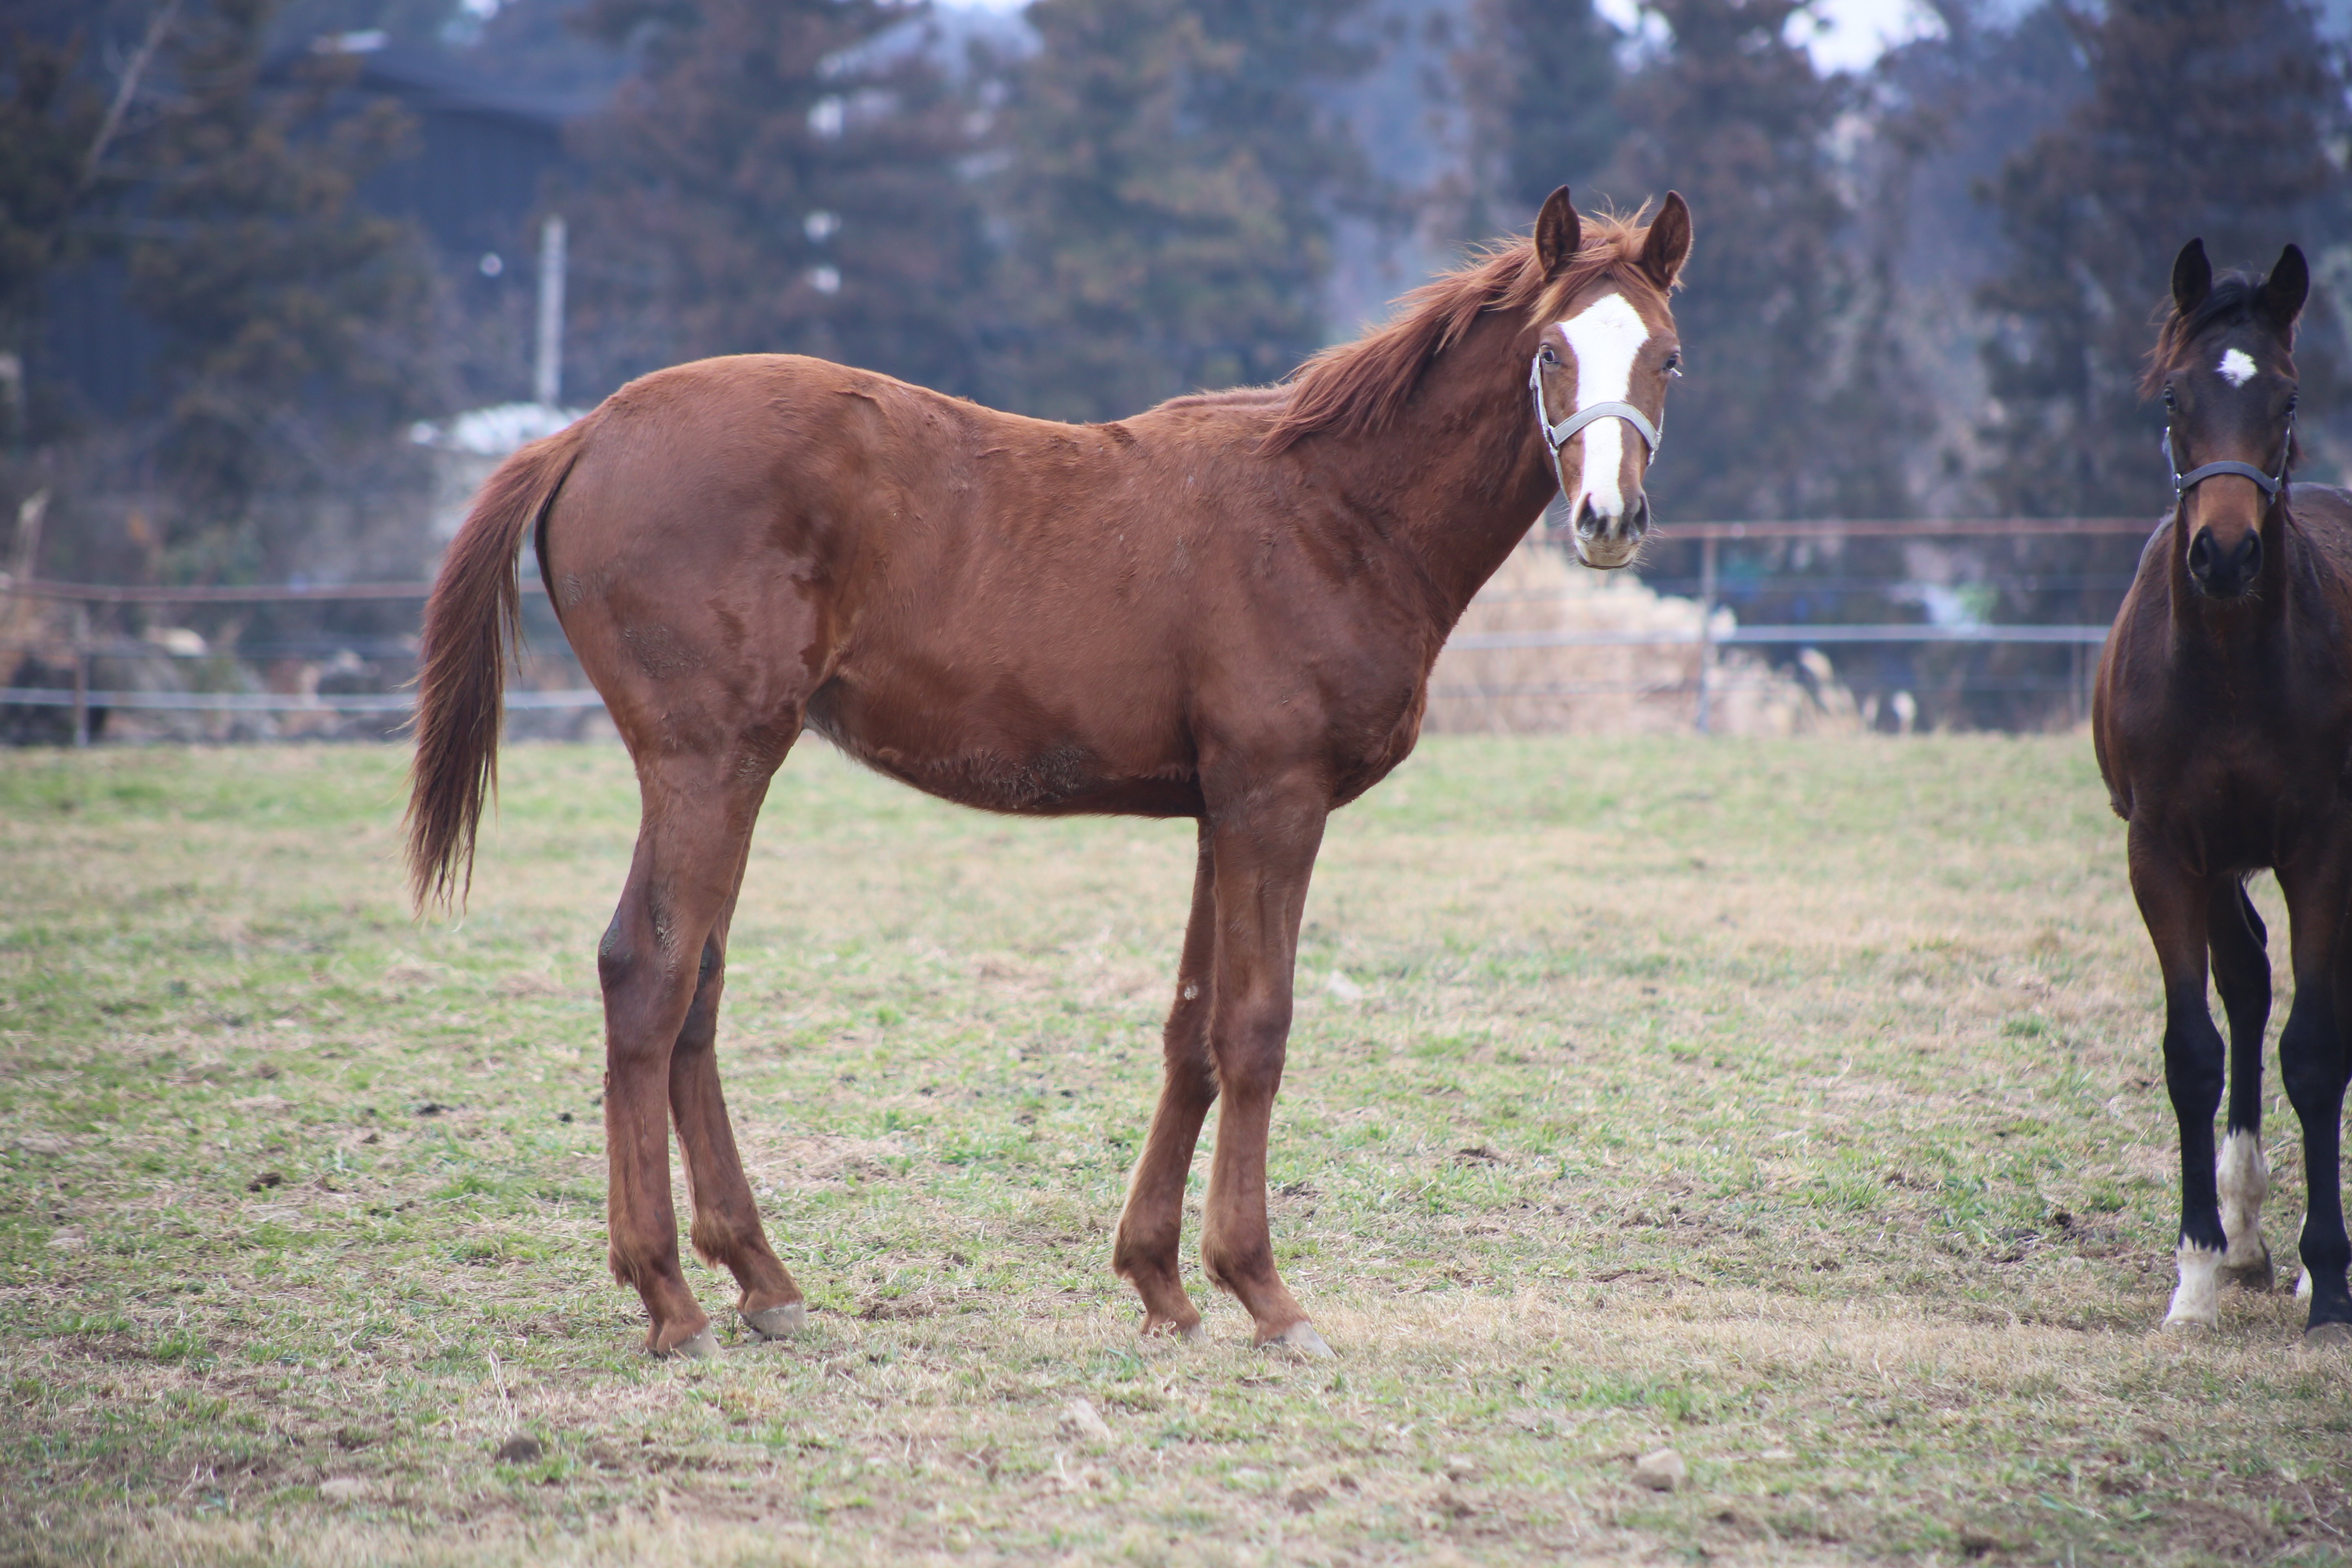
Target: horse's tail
{"x":472,"y":623}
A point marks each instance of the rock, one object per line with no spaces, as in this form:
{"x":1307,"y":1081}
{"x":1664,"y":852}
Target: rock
{"x":519,"y":1449}
{"x":67,"y":1239}
{"x":1081,"y":1419}
{"x":344,"y":1489}
{"x":1662,"y":1471}
{"x":266,"y":1180}
{"x":1304,"y":1498}
{"x":1460,"y":1467}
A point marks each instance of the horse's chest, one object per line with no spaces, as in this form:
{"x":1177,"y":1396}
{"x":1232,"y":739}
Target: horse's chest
{"x":2242,"y":809}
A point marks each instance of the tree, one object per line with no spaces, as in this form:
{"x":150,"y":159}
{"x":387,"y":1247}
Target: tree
{"x":50,"y":124}
{"x":779,"y":175}
{"x":297,"y":327}
{"x":2220,"y":119}
{"x":1735,"y":115}
{"x":1170,"y":197}
{"x":1548,"y":92}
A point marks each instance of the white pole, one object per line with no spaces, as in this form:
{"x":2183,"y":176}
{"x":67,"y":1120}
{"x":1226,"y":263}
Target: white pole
{"x":547,"y":376}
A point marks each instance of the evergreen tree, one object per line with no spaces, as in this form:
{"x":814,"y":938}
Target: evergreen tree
{"x":297,"y":327}
{"x":1170,"y":197}
{"x":49,"y":122}
{"x":780,"y":176}
{"x":1549,"y":97}
{"x":2224,"y":118}
{"x":1735,"y":115}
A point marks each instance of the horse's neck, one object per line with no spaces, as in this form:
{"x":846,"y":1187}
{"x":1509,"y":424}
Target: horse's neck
{"x":1461,"y":473}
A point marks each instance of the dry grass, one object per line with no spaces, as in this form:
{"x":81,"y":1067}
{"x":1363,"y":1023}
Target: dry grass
{"x":1793,"y":1104}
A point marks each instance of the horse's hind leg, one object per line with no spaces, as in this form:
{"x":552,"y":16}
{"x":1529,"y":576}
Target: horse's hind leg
{"x":726,"y":1230}
{"x":2241,"y":973}
{"x":699,"y":813}
{"x":1150,"y":1229}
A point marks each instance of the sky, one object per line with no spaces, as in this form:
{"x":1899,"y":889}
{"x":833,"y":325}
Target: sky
{"x":1857,"y":31}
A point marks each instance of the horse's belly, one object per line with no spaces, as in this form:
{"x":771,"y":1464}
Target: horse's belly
{"x":969,"y":754}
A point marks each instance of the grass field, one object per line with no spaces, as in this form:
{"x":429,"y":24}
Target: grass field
{"x":1794,"y":1105}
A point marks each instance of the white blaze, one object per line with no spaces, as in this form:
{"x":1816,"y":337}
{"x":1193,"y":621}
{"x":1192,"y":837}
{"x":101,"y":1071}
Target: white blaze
{"x":1604,"y":339}
{"x":2237,"y":367}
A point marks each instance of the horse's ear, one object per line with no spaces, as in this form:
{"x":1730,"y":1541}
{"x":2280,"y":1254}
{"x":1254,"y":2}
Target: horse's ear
{"x":2192,"y":277}
{"x":1669,"y":242}
{"x":1558,"y":231}
{"x":2283,"y":293}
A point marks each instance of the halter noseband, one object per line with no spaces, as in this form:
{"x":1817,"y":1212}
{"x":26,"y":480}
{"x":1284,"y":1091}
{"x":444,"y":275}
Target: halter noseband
{"x":2270,"y":486}
{"x":1560,"y":435}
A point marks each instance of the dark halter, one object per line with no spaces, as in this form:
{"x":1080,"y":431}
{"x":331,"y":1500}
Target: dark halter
{"x":2271,"y":487}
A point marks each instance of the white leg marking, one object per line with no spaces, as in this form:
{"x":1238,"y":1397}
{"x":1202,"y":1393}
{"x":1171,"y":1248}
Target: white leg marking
{"x":2243,"y":1175}
{"x":1604,"y":338}
{"x":2196,"y":1301}
{"x":2303,"y":1280}
{"x":2237,"y":367}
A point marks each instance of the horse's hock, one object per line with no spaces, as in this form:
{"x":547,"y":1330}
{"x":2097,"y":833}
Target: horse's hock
{"x":1608,"y":688}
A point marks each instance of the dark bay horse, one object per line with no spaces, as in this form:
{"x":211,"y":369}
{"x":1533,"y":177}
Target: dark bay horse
{"x":2223,"y":724}
{"x":1225,"y":608}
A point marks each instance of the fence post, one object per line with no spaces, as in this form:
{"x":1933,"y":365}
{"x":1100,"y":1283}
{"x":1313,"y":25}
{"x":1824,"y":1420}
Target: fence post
{"x":81,"y":675}
{"x":1705,"y":629}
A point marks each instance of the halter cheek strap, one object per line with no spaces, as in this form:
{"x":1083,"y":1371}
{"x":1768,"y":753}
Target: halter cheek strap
{"x":2180,"y":482}
{"x":1560,"y":435}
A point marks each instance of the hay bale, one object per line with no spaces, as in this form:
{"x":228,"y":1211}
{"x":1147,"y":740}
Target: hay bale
{"x":1615,"y":687}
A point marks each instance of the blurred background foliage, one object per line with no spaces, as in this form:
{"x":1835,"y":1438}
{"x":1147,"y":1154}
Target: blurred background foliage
{"x":247,"y":246}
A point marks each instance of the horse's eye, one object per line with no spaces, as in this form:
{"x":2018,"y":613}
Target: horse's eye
{"x":2170,"y":401}
{"x":1674,"y":362}
{"x":1549,"y":357}
{"x":2291,"y":398}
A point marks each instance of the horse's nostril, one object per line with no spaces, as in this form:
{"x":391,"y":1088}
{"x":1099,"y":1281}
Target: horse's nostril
{"x":1637,"y":518}
{"x":2251,"y":551}
{"x":2200,"y":555}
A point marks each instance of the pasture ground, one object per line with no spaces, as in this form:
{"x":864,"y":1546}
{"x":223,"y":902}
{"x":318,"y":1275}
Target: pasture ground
{"x":1795,"y":1104}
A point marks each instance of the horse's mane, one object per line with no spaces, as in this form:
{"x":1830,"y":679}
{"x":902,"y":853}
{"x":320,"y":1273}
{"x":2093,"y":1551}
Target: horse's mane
{"x":1357,"y":388}
{"x":2230,"y":301}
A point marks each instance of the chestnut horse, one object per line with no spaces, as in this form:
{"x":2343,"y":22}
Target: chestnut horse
{"x":1225,"y":608}
{"x":2223,"y":724}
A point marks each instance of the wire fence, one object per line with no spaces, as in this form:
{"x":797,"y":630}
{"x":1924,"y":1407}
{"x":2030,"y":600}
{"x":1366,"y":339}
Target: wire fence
{"x":282,"y":659}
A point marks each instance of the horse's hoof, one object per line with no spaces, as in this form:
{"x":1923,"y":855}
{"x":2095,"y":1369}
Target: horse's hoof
{"x":2189,"y":1326}
{"x":700,"y":1346}
{"x":2258,"y":1276}
{"x":775,"y":1322}
{"x":2327,"y":1336}
{"x":1301,"y":1338}
{"x":1193,"y":1332}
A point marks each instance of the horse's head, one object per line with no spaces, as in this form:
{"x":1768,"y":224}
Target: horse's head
{"x":2224,"y":365}
{"x":1603,"y":351}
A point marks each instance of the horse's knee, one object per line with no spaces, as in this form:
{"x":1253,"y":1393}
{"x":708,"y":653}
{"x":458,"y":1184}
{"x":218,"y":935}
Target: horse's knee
{"x":1251,"y":1039}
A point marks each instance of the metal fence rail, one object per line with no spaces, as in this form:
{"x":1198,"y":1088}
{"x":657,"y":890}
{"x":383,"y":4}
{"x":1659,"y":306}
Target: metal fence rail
{"x":80,"y":646}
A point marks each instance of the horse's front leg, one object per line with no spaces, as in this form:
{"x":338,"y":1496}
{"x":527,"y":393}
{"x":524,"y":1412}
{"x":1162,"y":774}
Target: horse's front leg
{"x":1150,"y":1229}
{"x":1264,"y":841}
{"x":2173,"y":902}
{"x":2241,"y":973}
{"x":2311,"y":1064}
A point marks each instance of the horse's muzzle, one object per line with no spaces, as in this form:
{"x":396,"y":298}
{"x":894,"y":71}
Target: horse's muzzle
{"x":2222,"y":572}
{"x":1609,"y":542}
